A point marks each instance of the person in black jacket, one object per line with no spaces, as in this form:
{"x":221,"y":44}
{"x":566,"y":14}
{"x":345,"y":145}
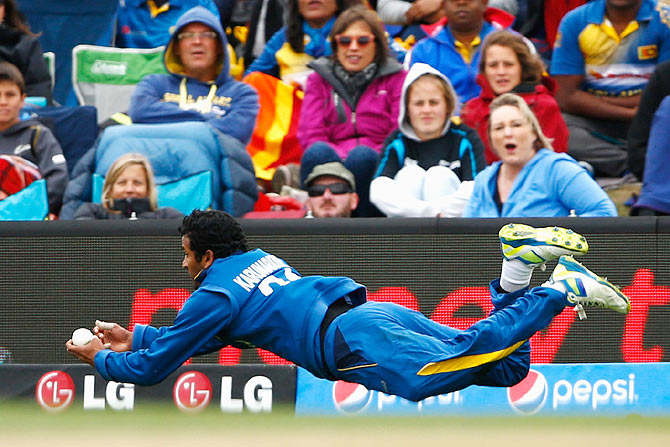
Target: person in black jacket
{"x":20,"y":46}
{"x":638,"y":134}
{"x":129,"y":192}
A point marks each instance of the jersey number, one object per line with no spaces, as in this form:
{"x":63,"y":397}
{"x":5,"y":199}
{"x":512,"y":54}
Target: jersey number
{"x":265,"y":286}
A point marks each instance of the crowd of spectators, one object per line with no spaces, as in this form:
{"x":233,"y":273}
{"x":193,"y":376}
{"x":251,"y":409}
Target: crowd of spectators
{"x":473,"y":108}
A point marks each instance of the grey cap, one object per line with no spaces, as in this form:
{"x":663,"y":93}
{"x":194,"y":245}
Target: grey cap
{"x":334,"y":168}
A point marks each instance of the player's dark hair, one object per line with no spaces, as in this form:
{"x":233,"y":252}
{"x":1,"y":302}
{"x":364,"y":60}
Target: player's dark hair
{"x":9,"y":73}
{"x":213,"y":230}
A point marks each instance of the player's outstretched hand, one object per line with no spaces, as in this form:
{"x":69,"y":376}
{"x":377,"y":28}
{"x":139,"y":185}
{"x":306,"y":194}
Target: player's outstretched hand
{"x":85,"y":353}
{"x":113,"y":336}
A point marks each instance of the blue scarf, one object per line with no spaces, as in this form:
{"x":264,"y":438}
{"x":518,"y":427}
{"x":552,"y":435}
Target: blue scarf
{"x":318,"y":39}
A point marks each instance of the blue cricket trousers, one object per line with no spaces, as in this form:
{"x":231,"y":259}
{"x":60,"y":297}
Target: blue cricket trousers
{"x":395,"y":350}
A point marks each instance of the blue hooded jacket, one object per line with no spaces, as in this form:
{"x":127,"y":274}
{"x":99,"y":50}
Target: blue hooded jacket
{"x":227,"y":105}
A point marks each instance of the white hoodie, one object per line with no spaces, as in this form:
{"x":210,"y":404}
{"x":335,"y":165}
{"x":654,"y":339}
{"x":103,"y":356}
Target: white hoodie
{"x":413,"y":193}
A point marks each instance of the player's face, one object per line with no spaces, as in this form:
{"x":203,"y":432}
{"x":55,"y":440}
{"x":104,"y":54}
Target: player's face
{"x":11,"y":102}
{"x":512,"y":136}
{"x":198,"y":51}
{"x":356,"y":47}
{"x":190,"y":262}
{"x":317,"y":12}
{"x":465,"y":15}
{"x":502,"y":69}
{"x":427,"y":107}
{"x":329,"y":204}
{"x":131,"y":184}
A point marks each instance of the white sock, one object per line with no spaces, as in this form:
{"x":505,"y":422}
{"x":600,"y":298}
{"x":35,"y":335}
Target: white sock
{"x":515,"y":275}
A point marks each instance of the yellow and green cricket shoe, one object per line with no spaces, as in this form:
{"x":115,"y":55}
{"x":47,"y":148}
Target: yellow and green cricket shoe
{"x":536,"y":246}
{"x":585,"y":288}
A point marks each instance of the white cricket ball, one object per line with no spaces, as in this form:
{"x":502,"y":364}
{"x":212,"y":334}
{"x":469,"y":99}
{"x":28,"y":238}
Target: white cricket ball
{"x":81,"y":336}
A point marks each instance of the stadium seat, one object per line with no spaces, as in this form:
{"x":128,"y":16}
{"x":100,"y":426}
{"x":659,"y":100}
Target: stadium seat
{"x":28,"y":204}
{"x":50,"y":59}
{"x":75,"y":128}
{"x":177,"y":151}
{"x":187,"y":194}
{"x":105,"y":77}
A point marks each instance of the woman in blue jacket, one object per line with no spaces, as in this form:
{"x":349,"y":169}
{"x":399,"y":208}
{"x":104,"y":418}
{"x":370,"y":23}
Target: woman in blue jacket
{"x":531,"y":180}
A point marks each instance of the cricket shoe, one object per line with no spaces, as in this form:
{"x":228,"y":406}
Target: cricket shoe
{"x":536,"y":246}
{"x":585,"y":288}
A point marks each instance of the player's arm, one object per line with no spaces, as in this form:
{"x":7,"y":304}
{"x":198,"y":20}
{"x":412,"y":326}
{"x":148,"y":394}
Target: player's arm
{"x":574,"y":100}
{"x":113,"y":336}
{"x":203,"y":316}
{"x":107,"y":336}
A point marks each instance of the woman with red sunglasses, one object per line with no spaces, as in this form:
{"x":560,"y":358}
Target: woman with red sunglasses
{"x":351,"y":101}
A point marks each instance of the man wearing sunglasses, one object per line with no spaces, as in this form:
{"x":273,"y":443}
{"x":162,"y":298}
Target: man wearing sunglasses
{"x":331,"y":190}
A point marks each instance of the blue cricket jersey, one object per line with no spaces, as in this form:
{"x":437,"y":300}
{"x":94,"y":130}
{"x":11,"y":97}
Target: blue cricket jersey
{"x":612,"y":64}
{"x":247,"y":299}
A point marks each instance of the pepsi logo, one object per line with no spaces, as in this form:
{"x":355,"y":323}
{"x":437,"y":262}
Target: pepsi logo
{"x":350,"y":397}
{"x":528,"y":396}
{"x":55,"y":391}
{"x":192,"y":391}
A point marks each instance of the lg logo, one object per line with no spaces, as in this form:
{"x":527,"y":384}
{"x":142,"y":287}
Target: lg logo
{"x":192,"y":391}
{"x":55,"y":391}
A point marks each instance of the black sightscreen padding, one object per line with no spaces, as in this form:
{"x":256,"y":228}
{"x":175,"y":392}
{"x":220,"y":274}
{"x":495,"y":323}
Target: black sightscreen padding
{"x":58,"y":276}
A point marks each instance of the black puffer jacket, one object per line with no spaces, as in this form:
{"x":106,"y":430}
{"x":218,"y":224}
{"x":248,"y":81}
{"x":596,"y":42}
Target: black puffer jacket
{"x":26,"y":53}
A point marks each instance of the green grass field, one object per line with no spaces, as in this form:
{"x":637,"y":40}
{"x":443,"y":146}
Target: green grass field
{"x":28,"y":425}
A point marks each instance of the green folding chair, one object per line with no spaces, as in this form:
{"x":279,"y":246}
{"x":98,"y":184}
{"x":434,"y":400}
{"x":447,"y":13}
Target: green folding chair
{"x":105,"y":77}
{"x":50,"y":59}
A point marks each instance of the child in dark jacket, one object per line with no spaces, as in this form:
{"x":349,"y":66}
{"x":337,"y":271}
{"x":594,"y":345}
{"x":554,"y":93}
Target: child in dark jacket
{"x":29,"y":139}
{"x":430,"y":161}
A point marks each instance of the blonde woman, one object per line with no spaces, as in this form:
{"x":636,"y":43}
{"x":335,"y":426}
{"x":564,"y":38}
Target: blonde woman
{"x":129,"y":191}
{"x":531,"y":180}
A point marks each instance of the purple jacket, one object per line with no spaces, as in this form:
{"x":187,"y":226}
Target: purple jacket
{"x":326,"y":114}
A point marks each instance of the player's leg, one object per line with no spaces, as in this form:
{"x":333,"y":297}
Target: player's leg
{"x":392,"y":349}
{"x":494,"y":338}
{"x":507,"y":371}
{"x":384,"y":345}
{"x":524,"y":248}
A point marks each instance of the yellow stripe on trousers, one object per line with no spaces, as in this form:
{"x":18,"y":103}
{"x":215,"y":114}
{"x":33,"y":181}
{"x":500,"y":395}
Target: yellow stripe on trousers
{"x":469,"y":361}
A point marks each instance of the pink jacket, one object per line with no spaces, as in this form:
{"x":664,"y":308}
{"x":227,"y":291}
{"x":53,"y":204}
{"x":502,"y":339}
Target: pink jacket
{"x":326,"y":114}
{"x":541,"y":100}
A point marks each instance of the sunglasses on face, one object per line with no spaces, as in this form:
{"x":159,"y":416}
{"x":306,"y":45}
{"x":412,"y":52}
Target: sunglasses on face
{"x":362,"y":40}
{"x":188,"y":35}
{"x":335,"y":188}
